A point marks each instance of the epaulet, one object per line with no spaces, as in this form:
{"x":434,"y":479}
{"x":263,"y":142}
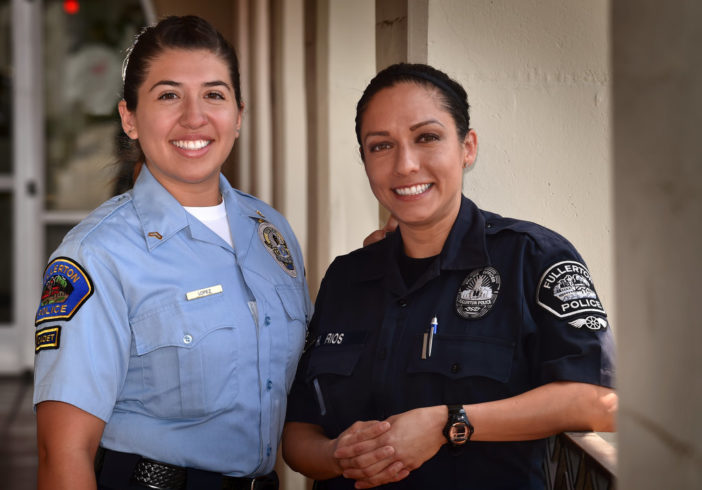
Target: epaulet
{"x":495,"y":224}
{"x":96,"y":217}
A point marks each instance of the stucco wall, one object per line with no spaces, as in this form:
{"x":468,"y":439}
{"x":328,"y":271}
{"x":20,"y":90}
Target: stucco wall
{"x":538,"y":81}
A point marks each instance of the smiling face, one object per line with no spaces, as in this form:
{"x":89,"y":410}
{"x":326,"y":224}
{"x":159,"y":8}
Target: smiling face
{"x":186,"y":121}
{"x":413,"y":157}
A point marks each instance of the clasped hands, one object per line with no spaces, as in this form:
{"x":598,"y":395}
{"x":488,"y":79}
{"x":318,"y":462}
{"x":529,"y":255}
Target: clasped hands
{"x":378,"y":452}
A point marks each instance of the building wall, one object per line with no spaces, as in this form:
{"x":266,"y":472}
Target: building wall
{"x":538,"y":81}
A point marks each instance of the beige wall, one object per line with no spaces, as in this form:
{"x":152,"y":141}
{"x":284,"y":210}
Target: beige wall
{"x":345,"y":210}
{"x":537,"y":77}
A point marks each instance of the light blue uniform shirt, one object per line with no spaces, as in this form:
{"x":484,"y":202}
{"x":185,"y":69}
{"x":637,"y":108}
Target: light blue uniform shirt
{"x":184,"y":346}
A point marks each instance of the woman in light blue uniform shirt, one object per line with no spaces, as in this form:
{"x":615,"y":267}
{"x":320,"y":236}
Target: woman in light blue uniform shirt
{"x":172,"y":318}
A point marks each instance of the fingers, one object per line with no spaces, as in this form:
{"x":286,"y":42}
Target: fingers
{"x":376,"y":236}
{"x":390,"y":224}
{"x":360,"y":438}
{"x":368,"y":464}
{"x":392,"y":473}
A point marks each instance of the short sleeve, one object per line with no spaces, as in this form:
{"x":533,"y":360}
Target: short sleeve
{"x":83,"y":337}
{"x":575,"y":340}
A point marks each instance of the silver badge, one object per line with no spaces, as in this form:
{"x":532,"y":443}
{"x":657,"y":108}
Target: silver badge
{"x":276,"y":246}
{"x":478,"y":293}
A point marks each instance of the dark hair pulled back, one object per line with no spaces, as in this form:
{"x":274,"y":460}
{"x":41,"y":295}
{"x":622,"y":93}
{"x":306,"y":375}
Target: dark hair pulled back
{"x":187,"y":32}
{"x":453,"y":96}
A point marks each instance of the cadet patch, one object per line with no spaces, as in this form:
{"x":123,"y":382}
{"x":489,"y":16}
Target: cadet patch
{"x":591,"y":322}
{"x":566,"y":289}
{"x":66,"y":287}
{"x":276,"y":246}
{"x":478,"y":293}
{"x":47,"y":338}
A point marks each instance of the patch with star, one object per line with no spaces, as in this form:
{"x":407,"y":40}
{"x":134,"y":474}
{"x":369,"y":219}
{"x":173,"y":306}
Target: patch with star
{"x":478,"y":293}
{"x":566,"y":289}
{"x":276,"y":246}
{"x":47,"y":338}
{"x":66,"y":288}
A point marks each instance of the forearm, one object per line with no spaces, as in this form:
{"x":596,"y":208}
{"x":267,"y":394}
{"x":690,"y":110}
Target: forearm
{"x":66,"y":470}
{"x":544,"y":411}
{"x":67,"y":440}
{"x":307,"y":450}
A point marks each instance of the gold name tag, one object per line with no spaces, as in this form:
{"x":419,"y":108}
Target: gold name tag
{"x":201,"y":293}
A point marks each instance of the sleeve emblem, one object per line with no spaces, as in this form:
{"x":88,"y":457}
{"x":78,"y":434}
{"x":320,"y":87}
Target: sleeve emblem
{"x":591,"y":322}
{"x":566,"y":289}
{"x":66,"y":288}
{"x":47,"y":338}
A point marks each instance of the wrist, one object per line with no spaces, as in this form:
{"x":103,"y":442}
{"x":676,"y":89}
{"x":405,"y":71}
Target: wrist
{"x":333,"y":463}
{"x":458,"y":429}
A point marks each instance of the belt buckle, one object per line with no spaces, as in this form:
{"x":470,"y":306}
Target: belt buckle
{"x":159,"y":476}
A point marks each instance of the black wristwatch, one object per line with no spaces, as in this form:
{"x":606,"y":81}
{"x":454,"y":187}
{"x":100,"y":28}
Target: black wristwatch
{"x":458,"y":429}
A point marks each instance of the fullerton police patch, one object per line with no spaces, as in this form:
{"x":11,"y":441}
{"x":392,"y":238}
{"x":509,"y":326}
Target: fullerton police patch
{"x":276,"y":246}
{"x":47,"y":338}
{"x":66,"y":288}
{"x":478,"y":293}
{"x":566,"y":289}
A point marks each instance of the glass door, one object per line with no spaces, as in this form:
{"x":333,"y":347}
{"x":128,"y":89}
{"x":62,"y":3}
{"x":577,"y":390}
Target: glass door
{"x":60,"y":79}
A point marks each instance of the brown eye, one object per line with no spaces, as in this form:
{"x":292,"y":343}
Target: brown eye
{"x":428,"y":137}
{"x":378,"y":147}
{"x":167,"y":96}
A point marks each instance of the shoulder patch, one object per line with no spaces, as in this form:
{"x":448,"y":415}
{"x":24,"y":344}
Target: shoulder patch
{"x":591,"y":322}
{"x":276,"y":246}
{"x":566,"y":289}
{"x":66,"y":288}
{"x":47,"y":338}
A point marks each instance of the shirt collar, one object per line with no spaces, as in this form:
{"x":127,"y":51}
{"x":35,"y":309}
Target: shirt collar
{"x":464,"y":249}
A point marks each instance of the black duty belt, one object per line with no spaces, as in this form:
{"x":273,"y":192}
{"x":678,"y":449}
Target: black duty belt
{"x":119,"y":470}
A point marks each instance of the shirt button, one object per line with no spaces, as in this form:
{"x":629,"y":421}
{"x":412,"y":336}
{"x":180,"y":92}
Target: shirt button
{"x":267,"y":320}
{"x":455,"y":367}
{"x":187,"y":338}
{"x":402,"y":302}
{"x":269,"y":385}
{"x":268,"y":451}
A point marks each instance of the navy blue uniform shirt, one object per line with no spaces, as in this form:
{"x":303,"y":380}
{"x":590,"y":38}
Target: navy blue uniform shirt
{"x":516,"y":309}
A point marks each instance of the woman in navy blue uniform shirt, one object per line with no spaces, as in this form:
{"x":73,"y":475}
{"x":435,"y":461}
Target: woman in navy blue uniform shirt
{"x":443,"y":355}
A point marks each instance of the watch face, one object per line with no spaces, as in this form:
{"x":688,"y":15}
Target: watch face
{"x":458,"y":433}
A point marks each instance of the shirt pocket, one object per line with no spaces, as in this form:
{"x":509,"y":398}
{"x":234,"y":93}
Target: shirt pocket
{"x":294,"y":300}
{"x":464,"y":368}
{"x":186,"y":353}
{"x":329,"y":373}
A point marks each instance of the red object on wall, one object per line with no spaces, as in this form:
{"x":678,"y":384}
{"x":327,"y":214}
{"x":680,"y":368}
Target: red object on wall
{"x":71,"y":6}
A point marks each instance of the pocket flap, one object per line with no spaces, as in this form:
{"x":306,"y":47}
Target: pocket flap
{"x":293,"y":299}
{"x":179,"y":324}
{"x":336,"y":360}
{"x":459,"y":357}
